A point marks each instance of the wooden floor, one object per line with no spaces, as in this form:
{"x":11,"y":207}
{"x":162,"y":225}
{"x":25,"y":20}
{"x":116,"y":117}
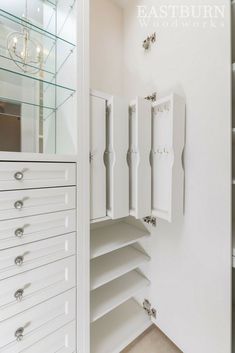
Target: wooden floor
{"x":152,"y":341}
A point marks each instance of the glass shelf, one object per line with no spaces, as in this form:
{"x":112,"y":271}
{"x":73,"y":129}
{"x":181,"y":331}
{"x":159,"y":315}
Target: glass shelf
{"x":47,"y":72}
{"x":21,"y":88}
{"x":32,"y":110}
{"x":34,"y":27}
{"x":55,"y":51}
{"x":7,"y":62}
{"x":46,"y":83}
{"x":37,"y":97}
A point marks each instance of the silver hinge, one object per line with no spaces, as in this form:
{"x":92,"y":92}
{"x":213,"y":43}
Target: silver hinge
{"x":149,"y":310}
{"x":151,"y":220}
{"x":152,"y":97}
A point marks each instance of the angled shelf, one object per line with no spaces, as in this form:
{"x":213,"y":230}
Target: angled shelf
{"x":113,"y":237}
{"x":113,"y":332}
{"x":115,"y":264}
{"x":111,"y":295}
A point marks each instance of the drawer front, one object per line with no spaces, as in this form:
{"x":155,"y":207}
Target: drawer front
{"x":24,"y":175}
{"x":15,"y":204}
{"x":21,"y":292}
{"x":37,"y":323}
{"x":27,"y":257}
{"x":61,"y":341}
{"x":30,"y":229}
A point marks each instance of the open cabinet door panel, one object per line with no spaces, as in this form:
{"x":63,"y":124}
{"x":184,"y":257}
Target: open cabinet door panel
{"x":97,"y":150}
{"x":117,"y":167}
{"x":139,"y":158}
{"x":168,"y":124}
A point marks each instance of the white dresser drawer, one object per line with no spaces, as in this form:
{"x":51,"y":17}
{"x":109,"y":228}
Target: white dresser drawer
{"x":15,"y":204}
{"x":61,"y":341}
{"x":26,"y":175}
{"x":26,"y":257}
{"x":21,"y":292}
{"x":33,"y":325}
{"x":29,"y":229}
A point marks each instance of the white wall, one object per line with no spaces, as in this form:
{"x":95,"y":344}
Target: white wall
{"x":106,"y":43}
{"x":191,"y":265}
{"x":192,"y":257}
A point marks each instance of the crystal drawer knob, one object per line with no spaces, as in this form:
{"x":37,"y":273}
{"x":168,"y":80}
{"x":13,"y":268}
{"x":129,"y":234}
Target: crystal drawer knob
{"x":19,"y":294}
{"x":18,"y":205}
{"x":19,"y":232}
{"x":19,"y":260}
{"x":19,"y":334}
{"x":18,"y":176}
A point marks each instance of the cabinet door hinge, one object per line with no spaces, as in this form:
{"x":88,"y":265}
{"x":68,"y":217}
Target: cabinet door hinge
{"x":151,"y":220}
{"x":149,"y":310}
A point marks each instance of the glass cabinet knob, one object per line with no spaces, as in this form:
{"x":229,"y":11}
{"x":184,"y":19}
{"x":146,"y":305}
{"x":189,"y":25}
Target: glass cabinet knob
{"x":19,"y":334}
{"x":18,"y":176}
{"x":19,"y":232}
{"x":18,"y":205}
{"x":19,"y":260}
{"x":19,"y":295}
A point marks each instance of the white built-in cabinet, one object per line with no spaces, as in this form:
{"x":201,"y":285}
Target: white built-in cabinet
{"x":38,"y":237}
{"x":136,"y":171}
{"x":136,"y":157}
{"x":39,"y":176}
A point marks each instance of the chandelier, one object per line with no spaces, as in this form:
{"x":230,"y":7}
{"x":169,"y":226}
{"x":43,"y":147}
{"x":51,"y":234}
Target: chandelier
{"x":25,"y":52}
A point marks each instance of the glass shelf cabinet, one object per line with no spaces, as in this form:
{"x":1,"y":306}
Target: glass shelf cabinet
{"x":38,"y":76}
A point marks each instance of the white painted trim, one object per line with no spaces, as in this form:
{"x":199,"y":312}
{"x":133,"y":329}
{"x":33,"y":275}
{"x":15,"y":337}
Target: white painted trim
{"x":98,"y":220}
{"x":100,"y":94}
{"x":36,"y":157}
{"x":83,"y":174}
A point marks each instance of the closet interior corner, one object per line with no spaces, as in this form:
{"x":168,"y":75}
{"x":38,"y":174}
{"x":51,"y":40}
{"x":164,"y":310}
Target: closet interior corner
{"x":136,"y":173}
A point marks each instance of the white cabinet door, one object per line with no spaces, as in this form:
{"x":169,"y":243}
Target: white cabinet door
{"x":117,"y":167}
{"x":97,"y":150}
{"x":167,"y":149}
{"x":25,"y":175}
{"x":15,"y":204}
{"x":37,"y":323}
{"x":29,"y":229}
{"x":21,"y":292}
{"x":29,"y":256}
{"x":139,"y":158}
